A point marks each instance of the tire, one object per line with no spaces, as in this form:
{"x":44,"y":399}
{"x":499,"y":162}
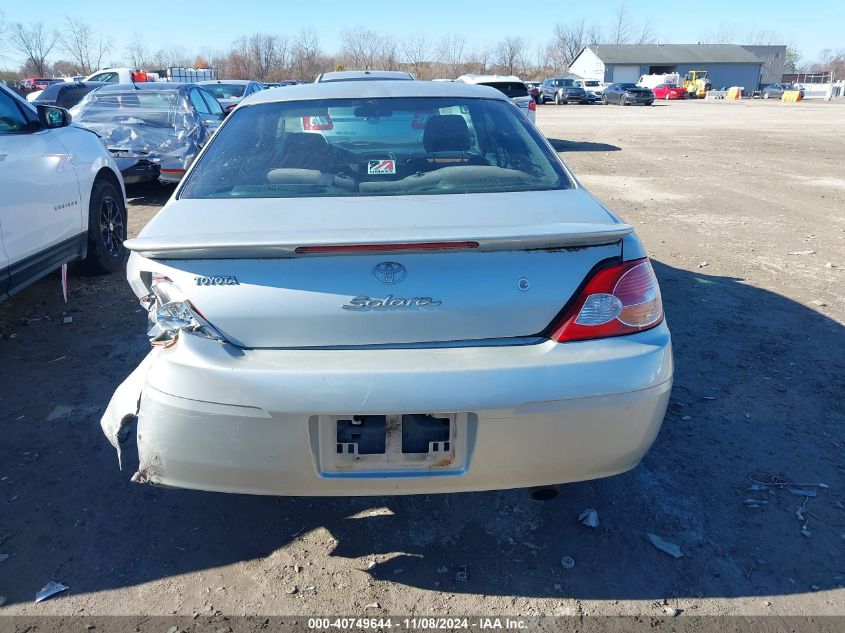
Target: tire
{"x":667,"y":96}
{"x":604,"y":99}
{"x":623,"y":101}
{"x":557,"y":98}
{"x":765,"y":95}
{"x":106,"y":229}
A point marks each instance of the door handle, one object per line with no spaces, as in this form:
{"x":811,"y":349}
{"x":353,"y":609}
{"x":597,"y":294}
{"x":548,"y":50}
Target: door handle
{"x":3,"y":154}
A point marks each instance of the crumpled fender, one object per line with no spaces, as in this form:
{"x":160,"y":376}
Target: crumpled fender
{"x":123,"y":407}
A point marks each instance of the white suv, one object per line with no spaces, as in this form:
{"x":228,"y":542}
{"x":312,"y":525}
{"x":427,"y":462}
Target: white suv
{"x":509,"y":85}
{"x":62,"y":196}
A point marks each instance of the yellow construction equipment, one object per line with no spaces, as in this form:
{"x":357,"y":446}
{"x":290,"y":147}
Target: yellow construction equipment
{"x":697,"y":84}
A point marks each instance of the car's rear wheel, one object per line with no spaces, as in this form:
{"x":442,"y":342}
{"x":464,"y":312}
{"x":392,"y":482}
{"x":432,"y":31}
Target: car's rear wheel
{"x":667,"y":96}
{"x":765,"y":95}
{"x":106,"y":229}
{"x":624,"y":101}
{"x":557,"y":98}
{"x":604,"y":99}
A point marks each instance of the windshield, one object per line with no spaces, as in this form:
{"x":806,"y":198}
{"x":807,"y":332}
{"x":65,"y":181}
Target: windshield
{"x":591,"y":84}
{"x":226,"y":91}
{"x":629,"y":86}
{"x":508,"y":88}
{"x":372,"y":147}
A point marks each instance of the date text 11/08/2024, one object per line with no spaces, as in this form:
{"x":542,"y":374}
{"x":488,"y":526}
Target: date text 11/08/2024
{"x":423,"y":623}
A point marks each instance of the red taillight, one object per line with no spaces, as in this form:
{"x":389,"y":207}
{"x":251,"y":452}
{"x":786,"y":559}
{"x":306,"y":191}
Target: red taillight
{"x":619,"y":299}
{"x":357,"y":248}
{"x":231,"y":107}
{"x":172,"y":171}
{"x":317,"y":123}
{"x":532,"y":105}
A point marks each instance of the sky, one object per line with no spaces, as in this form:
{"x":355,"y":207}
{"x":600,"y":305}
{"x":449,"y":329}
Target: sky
{"x":810,"y":26}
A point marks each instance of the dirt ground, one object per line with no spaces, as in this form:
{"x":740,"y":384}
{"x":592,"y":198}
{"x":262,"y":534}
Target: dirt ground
{"x":742,"y":207}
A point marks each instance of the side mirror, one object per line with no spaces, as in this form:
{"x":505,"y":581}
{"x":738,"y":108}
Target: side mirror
{"x":52,"y":117}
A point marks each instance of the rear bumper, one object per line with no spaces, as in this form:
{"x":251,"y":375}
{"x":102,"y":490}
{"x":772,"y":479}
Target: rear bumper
{"x":213,"y":417}
{"x":136,"y":170}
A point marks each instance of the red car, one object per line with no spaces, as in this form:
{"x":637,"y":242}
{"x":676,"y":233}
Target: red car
{"x":669,"y":91}
{"x":38,"y":83}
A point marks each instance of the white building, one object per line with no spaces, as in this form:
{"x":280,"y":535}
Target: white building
{"x":726,"y":64}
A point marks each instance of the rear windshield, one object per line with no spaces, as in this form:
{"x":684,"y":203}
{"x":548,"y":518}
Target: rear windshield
{"x":226,"y":91}
{"x":372,"y":147}
{"x":509,"y":88}
{"x":629,"y":86}
{"x":65,"y":95}
{"x":103,"y":105}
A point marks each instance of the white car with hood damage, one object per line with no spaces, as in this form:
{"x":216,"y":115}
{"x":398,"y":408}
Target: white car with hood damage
{"x":432,"y":303}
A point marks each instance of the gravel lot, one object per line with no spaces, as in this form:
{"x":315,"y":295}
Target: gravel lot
{"x":742,"y":207}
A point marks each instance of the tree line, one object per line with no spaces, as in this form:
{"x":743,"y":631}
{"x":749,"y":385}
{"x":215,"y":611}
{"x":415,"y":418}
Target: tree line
{"x":302,"y":55}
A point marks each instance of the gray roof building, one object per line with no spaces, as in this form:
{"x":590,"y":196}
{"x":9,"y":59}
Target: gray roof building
{"x":727,"y":64}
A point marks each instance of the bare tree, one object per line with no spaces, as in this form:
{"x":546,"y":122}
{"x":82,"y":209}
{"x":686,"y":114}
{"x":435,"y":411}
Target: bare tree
{"x":3,"y":29}
{"x":306,"y":54}
{"x":510,"y":55}
{"x":66,"y":68}
{"x":763,"y":37}
{"x":359,"y":48}
{"x":266,"y":53}
{"x":722,"y":35}
{"x":451,"y":49}
{"x":593,"y":35}
{"x":239,"y":61}
{"x":542,"y":61}
{"x":86,"y":48}
{"x":388,"y":53}
{"x":478,"y":61}
{"x":35,"y":42}
{"x":646,"y":35}
{"x":567,"y":42}
{"x":136,"y":51}
{"x":830,"y":61}
{"x":622,"y":29}
{"x":178,"y":56}
{"x":416,"y":52}
{"x":168,"y":57}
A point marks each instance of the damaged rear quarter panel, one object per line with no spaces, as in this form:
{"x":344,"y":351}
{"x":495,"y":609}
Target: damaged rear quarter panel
{"x":122,"y":410}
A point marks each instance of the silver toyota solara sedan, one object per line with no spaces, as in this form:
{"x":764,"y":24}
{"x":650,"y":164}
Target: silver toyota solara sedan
{"x":397,"y":287}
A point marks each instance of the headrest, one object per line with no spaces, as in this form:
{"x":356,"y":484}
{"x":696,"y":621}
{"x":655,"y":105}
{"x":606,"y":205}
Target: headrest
{"x":446,"y":133}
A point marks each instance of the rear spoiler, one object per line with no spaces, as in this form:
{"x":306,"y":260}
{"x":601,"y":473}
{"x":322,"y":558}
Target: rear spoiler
{"x":277,"y":244}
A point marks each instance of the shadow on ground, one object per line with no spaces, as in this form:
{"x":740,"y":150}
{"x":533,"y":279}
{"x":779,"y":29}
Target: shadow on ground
{"x":757,"y":389}
{"x":581,"y":146}
{"x":148,"y":193}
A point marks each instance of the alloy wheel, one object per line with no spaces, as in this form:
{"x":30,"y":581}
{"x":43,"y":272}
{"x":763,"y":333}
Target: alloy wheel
{"x":112,"y":231}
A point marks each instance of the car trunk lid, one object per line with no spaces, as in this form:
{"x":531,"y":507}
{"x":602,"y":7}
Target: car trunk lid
{"x":356,"y":272}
